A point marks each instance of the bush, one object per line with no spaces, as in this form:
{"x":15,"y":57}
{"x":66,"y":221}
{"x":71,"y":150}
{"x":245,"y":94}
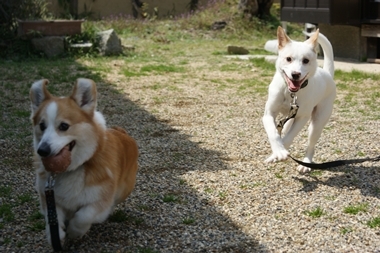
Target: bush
{"x":12,"y":10}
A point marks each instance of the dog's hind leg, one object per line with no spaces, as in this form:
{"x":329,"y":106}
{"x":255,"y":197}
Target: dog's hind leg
{"x":319,"y":118}
{"x":287,"y":126}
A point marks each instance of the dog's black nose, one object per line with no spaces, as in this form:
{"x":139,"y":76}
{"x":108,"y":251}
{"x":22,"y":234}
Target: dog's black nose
{"x":296,"y":75}
{"x":44,"y":150}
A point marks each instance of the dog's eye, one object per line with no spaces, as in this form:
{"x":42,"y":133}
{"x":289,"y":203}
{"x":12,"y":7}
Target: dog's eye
{"x":289,"y":59}
{"x":305,"y":61}
{"x":42,"y":126}
{"x":63,"y":126}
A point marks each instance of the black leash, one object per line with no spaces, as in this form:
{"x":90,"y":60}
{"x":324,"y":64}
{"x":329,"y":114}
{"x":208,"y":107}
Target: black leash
{"x":322,"y":166}
{"x":52,"y":214}
{"x":326,"y":165}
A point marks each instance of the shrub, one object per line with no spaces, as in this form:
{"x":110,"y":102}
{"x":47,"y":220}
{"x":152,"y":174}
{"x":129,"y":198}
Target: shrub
{"x":12,"y":10}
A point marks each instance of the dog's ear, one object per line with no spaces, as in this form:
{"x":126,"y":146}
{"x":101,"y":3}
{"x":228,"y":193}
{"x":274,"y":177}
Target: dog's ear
{"x":313,"y":40}
{"x":84,"y":94}
{"x":282,"y":38}
{"x":38,"y":93}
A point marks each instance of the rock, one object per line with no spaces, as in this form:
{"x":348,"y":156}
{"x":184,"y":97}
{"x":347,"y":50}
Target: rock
{"x":218,"y":25}
{"x":237,"y":50}
{"x":109,"y":43}
{"x":51,"y":46}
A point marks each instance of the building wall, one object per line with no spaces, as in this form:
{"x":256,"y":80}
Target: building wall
{"x":109,"y":8}
{"x":352,"y":47}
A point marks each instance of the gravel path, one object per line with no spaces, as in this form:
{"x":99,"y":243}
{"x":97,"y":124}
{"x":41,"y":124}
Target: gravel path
{"x":202,"y":184}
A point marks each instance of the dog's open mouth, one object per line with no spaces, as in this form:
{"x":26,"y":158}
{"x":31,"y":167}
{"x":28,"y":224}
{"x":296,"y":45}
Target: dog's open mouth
{"x":294,"y":85}
{"x":61,"y":161}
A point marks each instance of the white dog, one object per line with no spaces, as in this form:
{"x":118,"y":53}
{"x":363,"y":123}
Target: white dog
{"x":298,"y":79}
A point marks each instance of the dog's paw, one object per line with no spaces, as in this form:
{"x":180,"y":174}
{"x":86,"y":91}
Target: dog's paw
{"x":303,"y":169}
{"x":278,"y":156}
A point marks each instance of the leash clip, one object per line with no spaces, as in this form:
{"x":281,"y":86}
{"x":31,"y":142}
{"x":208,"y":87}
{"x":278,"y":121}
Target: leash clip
{"x":293,"y":95}
{"x":293,"y":106}
{"x":49,"y":185}
{"x":292,"y":113}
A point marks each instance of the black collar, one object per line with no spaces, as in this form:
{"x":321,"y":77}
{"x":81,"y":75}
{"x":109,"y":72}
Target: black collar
{"x":305,"y":84}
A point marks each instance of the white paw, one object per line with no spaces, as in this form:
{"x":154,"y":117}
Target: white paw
{"x":75,"y":230}
{"x":279,"y":155}
{"x":303,"y":169}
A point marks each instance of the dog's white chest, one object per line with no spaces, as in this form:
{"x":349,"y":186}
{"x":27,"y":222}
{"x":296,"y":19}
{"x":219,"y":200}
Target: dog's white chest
{"x":71,"y":191}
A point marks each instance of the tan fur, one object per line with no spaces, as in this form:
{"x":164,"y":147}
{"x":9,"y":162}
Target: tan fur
{"x":103,"y":165}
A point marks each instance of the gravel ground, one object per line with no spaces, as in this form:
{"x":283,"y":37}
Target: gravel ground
{"x":202,"y":184}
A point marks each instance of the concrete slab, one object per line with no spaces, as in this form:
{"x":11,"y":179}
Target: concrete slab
{"x":343,"y":65}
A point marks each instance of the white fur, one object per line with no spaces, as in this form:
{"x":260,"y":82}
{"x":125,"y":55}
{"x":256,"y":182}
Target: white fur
{"x":315,"y":100}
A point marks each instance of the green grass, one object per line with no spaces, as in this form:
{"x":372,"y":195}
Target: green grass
{"x":346,"y":230}
{"x":129,"y":73}
{"x":222,"y":195}
{"x":6,"y":212}
{"x":355,"y":209}
{"x":208,"y":190}
{"x":120,"y":216}
{"x":35,"y":216}
{"x":374,"y":222}
{"x":170,"y":198}
{"x":250,"y":186}
{"x":24,"y":198}
{"x":146,"y":250}
{"x":278,"y":175}
{"x":188,"y":221}
{"x":159,"y":69}
{"x":37,"y":226}
{"x":316,"y":173}
{"x":315,"y":213}
{"x":263,"y":64}
{"x":5,"y":191}
{"x":354,"y":75}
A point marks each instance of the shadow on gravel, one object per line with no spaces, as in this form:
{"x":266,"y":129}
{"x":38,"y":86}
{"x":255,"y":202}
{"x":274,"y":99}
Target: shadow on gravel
{"x":353,"y":177}
{"x":163,"y":214}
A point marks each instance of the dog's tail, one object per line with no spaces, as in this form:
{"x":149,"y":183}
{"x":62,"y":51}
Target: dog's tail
{"x":328,"y":55}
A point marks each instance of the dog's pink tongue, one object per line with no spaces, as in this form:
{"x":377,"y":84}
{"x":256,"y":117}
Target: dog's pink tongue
{"x":294,"y":85}
{"x":58,"y":163}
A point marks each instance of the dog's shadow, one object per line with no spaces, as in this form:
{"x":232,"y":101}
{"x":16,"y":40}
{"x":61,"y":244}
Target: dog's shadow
{"x":351,"y":177}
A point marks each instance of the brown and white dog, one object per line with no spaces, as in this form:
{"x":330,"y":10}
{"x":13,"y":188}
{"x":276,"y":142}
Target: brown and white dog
{"x":95,"y":166}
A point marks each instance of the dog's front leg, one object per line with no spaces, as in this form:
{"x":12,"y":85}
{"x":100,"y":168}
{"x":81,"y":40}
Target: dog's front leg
{"x":279,"y":152}
{"x":85,"y":217}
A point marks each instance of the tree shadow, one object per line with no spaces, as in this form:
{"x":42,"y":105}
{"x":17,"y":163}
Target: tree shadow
{"x":151,"y":221}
